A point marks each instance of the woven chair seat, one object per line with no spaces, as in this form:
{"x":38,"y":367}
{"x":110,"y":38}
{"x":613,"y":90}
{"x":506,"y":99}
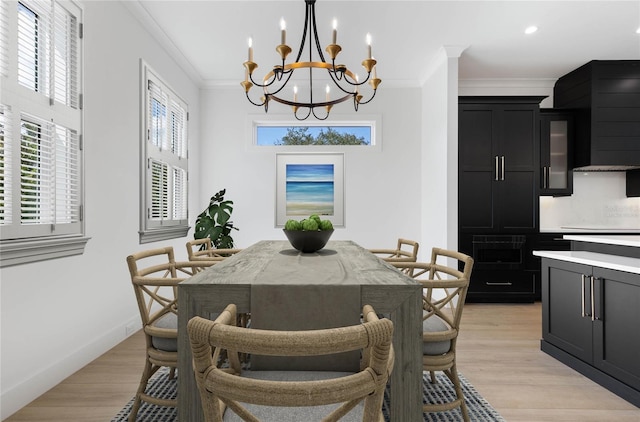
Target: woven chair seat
{"x":435,"y":324}
{"x":167,"y":321}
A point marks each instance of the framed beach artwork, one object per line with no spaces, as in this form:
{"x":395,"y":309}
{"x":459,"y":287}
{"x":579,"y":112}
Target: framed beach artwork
{"x":310,"y":184}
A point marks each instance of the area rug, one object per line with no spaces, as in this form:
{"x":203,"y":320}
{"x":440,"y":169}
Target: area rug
{"x":479,"y":409}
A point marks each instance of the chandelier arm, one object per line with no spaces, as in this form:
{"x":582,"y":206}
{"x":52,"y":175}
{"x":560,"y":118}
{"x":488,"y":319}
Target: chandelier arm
{"x":369,"y":100}
{"x":349,"y":73}
{"x":313,"y":110}
{"x":289,"y":74}
{"x":336,"y":83}
{"x":356,"y":83}
{"x":265,"y":85}
{"x":295,"y":113}
{"x":254,"y":103}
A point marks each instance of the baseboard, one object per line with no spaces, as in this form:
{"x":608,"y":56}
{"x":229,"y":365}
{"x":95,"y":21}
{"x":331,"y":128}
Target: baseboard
{"x":15,"y":398}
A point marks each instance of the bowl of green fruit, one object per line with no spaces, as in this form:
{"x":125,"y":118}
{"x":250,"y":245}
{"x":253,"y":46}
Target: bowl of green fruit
{"x":310,"y":234}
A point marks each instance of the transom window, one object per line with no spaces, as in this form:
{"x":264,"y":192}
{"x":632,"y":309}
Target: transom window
{"x":341,"y":133}
{"x":314,"y":135}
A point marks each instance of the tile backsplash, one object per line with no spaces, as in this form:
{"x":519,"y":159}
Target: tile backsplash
{"x":599,"y":201}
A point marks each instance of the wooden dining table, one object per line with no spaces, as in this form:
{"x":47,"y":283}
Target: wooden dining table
{"x":341,"y":266}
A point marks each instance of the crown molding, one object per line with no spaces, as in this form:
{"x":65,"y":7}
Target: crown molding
{"x":137,"y":9}
{"x":546,"y":83}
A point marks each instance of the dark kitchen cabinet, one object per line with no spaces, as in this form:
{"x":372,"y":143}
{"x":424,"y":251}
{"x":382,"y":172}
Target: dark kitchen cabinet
{"x":556,"y":152}
{"x":605,"y":95}
{"x":498,"y":164}
{"x":546,"y":242}
{"x":590,"y":316}
{"x":498,"y":173}
{"x":633,"y":183}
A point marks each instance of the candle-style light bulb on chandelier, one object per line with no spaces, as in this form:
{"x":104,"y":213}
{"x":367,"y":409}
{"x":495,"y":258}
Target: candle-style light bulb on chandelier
{"x":346,"y":82}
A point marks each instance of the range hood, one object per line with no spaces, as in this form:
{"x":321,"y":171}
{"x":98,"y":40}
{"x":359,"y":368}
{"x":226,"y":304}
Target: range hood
{"x":604,"y":96}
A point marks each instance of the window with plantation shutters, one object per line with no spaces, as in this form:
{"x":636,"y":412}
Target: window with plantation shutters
{"x":165,"y":161}
{"x":41,"y":177}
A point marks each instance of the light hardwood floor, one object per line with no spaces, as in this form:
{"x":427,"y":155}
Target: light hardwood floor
{"x":498,"y":352}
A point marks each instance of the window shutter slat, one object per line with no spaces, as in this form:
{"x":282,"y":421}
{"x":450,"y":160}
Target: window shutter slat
{"x":35,"y":171}
{"x":177,"y":122}
{"x":67,"y":176}
{"x":6,"y":215}
{"x":65,"y":37}
{"x":179,"y":194}
{"x":4,"y":38}
{"x":159,"y":190}
{"x":157,"y":116}
{"x":29,"y":55}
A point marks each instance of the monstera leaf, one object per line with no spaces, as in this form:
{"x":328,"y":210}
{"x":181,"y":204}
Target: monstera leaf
{"x":215,"y":222}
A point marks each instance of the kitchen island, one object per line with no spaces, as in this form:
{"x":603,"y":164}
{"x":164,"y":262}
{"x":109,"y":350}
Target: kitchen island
{"x":591,"y":309}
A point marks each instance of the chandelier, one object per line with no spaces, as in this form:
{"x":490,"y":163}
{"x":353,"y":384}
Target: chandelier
{"x":345,"y":81}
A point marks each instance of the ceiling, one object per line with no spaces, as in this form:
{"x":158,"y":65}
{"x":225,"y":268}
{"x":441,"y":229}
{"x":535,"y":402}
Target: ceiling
{"x":209,"y":37}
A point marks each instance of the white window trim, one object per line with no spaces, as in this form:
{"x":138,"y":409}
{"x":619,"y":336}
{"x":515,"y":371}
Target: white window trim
{"x":170,"y":229}
{"x":34,"y":249}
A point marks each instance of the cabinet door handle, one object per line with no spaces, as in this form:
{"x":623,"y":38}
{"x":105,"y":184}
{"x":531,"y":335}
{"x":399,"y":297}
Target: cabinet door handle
{"x":506,"y":283}
{"x":496,"y":173}
{"x":544,"y":178}
{"x":583,"y":297}
{"x":595,"y":317}
{"x":548,"y":177}
{"x":593,"y":298}
{"x":502,"y":159}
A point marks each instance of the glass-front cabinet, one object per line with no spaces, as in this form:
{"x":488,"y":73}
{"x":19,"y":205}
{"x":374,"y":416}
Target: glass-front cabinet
{"x":556,"y":148}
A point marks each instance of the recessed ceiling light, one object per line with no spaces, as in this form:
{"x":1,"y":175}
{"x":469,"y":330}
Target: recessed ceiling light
{"x":531,"y":29}
{"x":638,"y":30}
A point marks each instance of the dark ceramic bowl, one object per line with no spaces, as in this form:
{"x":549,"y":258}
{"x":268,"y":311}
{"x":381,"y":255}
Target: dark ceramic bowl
{"x":308,"y":241}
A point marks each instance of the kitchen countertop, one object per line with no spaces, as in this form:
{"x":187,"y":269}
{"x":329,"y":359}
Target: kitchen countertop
{"x":589,"y":230}
{"x":620,"y":240}
{"x":614,"y":262}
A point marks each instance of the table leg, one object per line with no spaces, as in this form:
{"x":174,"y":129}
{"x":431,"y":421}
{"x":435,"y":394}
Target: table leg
{"x":406,"y":379}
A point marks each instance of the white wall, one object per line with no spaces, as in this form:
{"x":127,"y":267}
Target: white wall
{"x":59,"y":315}
{"x":382,"y":198}
{"x":439,"y":192}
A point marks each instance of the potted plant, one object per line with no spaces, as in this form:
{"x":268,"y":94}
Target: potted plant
{"x":214,"y":222}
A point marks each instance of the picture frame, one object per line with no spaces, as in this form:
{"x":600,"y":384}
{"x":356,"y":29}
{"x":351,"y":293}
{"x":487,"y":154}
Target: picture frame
{"x":310,"y":183}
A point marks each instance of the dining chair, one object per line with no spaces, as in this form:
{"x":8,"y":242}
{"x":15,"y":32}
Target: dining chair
{"x":444,"y":293}
{"x":405,"y":251}
{"x":235,"y":393}
{"x":155,"y":275}
{"x":202,"y":249}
